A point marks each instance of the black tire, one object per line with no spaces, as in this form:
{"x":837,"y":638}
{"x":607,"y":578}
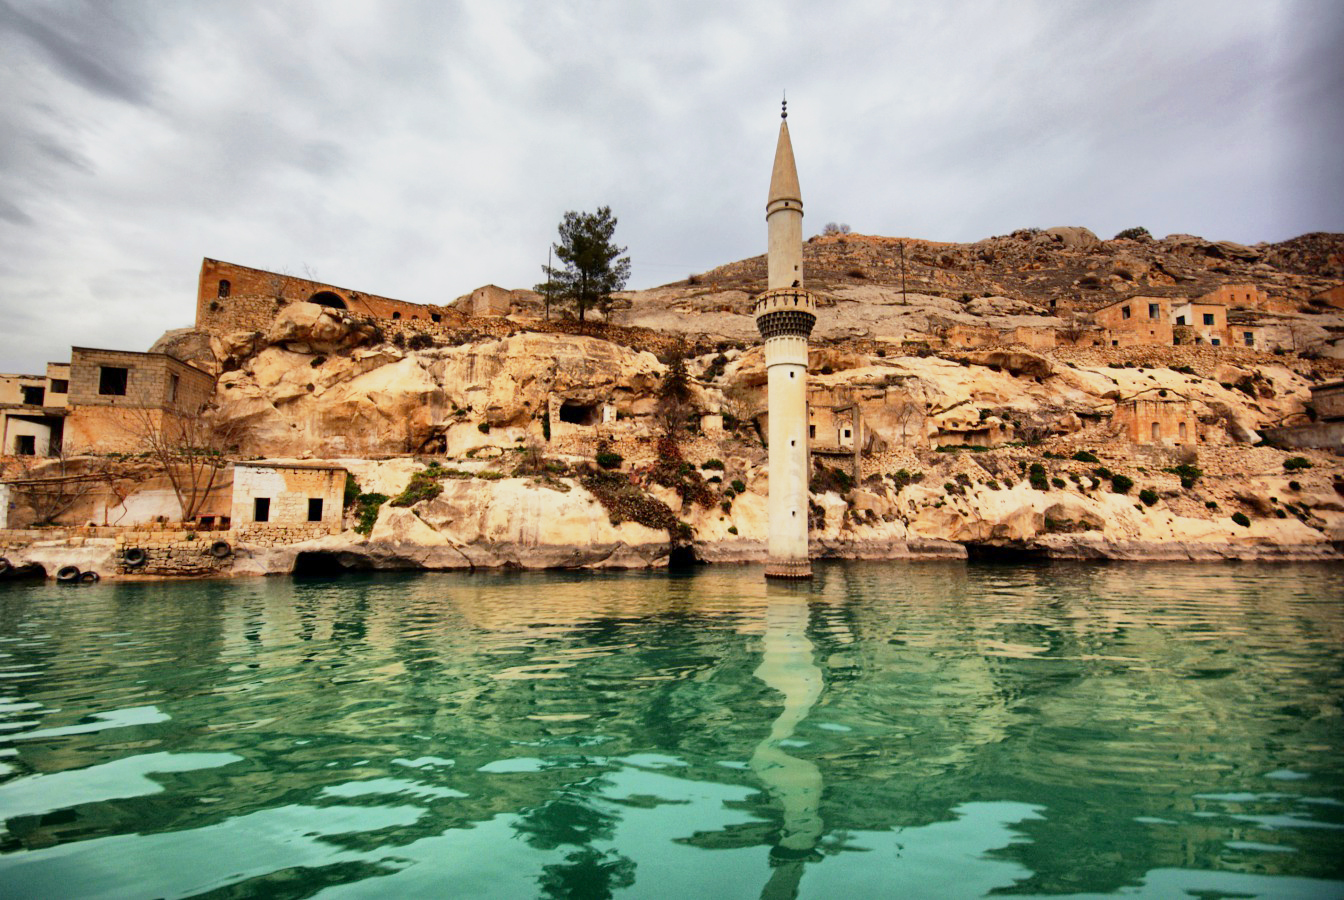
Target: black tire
{"x":89,"y":578}
{"x":68,"y":574}
{"x":134,"y":557}
{"x":220,"y":549}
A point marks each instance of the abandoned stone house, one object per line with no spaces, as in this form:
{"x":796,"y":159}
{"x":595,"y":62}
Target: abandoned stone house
{"x":1136,"y":321}
{"x":116,"y":396}
{"x":1153,"y":419}
{"x":231,"y":298}
{"x":33,"y":410}
{"x":293,"y":497}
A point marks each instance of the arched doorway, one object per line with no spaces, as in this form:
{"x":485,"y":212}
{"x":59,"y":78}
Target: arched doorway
{"x":328,"y":298}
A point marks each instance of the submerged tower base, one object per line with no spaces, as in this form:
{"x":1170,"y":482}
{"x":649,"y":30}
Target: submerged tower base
{"x":792,"y":569}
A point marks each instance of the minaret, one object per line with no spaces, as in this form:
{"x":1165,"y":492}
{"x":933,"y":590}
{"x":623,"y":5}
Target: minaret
{"x":785,"y":314}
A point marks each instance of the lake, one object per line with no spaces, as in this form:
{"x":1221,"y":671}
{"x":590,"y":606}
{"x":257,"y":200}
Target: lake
{"x":888,"y":729}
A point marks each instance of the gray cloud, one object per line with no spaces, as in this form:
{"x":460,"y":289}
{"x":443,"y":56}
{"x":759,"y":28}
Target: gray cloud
{"x":421,"y":149}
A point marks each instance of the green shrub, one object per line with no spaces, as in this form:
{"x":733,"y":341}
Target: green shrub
{"x":1086,"y":456}
{"x":1137,"y":233}
{"x":1188,"y":473}
{"x":1121,"y":484}
{"x":732,"y":529}
{"x":1057,"y":482}
{"x":739,"y":486}
{"x":424,"y":485}
{"x":1296,"y":463}
{"x":712,"y":464}
{"x":1240,"y":519}
{"x":366,"y":511}
{"x":1148,"y":496}
{"x":483,"y":428}
{"x":608,"y":459}
{"x":1102,"y":472}
{"x":1294,"y":486}
{"x":726,"y":505}
{"x":351,"y":491}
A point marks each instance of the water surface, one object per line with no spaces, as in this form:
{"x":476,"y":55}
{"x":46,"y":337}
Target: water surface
{"x":930,"y":730}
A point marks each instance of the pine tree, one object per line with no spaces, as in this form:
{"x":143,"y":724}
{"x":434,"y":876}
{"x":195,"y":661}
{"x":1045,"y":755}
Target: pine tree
{"x":593,"y":267}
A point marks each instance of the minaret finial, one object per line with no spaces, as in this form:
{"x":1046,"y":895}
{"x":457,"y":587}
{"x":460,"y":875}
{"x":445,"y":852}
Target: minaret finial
{"x":784,"y":106}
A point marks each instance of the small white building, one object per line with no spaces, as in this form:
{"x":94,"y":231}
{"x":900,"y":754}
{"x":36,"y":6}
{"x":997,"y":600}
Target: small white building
{"x":277,"y":493}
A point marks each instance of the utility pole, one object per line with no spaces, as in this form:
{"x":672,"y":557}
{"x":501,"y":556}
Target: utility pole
{"x":903,"y":300}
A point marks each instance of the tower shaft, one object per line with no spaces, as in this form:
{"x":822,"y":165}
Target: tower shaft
{"x":785,"y":314}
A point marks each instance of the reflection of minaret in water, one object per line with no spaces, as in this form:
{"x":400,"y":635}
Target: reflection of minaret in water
{"x":794,"y":784}
{"x":785,"y":314}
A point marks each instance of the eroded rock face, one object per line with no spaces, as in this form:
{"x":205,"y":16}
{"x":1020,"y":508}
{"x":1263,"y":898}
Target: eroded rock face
{"x":380,"y":400}
{"x":311,"y":328}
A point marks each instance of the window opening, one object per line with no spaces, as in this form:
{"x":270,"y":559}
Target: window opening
{"x":314,"y":509}
{"x":25,"y":445}
{"x":33,"y":396}
{"x":224,"y":287}
{"x":173,"y":381}
{"x":60,"y":386}
{"x":112,"y":381}
{"x":261,"y":509}
{"x":1157,"y":431}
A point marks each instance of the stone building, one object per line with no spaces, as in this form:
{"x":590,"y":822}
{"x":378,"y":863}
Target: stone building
{"x":1153,"y":419}
{"x":287,"y":498}
{"x":1135,"y":322}
{"x":489,"y":300}
{"x":117,"y":395}
{"x":1207,"y":321}
{"x":232,"y":298}
{"x":32,"y":411}
{"x":1328,"y":401}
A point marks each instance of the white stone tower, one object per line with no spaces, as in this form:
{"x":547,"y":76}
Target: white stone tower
{"x":785,"y":314}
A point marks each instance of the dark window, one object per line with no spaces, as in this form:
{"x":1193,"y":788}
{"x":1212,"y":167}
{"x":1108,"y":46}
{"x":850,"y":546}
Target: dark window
{"x":1215,"y":342}
{"x":578,"y":413}
{"x":435,"y":317}
{"x":1124,"y":312}
{"x":173,"y":382}
{"x":224,"y":287}
{"x":1249,"y":337}
{"x":1208,"y":318}
{"x":261,"y":509}
{"x":812,"y":431}
{"x":847,"y":433}
{"x":314,"y":509}
{"x":1180,"y":320}
{"x":60,"y":386}
{"x":112,"y":381}
{"x":396,"y":315}
{"x":33,"y":396}
{"x":1154,"y":311}
{"x":25,"y":445}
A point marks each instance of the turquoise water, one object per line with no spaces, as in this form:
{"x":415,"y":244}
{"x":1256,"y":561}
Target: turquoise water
{"x":931,"y":730}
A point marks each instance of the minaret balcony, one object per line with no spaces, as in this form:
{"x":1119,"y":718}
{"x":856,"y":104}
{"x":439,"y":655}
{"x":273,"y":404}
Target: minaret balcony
{"x":785,"y":312}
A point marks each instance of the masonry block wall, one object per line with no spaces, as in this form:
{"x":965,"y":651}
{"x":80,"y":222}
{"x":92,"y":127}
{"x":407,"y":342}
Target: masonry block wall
{"x":287,"y":494}
{"x":1328,"y":400}
{"x":115,"y":396}
{"x":232,"y":298}
{"x":1136,"y":321}
{"x":1156,"y":420}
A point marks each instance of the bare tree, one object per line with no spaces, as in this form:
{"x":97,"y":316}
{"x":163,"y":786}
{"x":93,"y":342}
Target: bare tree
{"x":53,"y":486}
{"x":1075,"y":326}
{"x":189,"y":450}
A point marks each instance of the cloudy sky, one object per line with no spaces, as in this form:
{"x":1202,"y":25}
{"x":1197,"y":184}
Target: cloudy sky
{"x":421,"y":149}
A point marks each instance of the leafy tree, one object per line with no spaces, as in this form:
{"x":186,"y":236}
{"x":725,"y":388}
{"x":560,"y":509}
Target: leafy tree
{"x":1137,"y":233}
{"x":593,"y":267}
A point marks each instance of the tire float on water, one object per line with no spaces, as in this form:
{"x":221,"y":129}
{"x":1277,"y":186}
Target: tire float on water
{"x":89,"y":578}
{"x":67,"y":574}
{"x":134,"y":557}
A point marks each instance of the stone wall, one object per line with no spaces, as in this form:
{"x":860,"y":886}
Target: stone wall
{"x":290,"y":489}
{"x":153,"y":381}
{"x":1146,"y":420}
{"x":268,"y":535}
{"x":234,"y":298}
{"x":174,"y":553}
